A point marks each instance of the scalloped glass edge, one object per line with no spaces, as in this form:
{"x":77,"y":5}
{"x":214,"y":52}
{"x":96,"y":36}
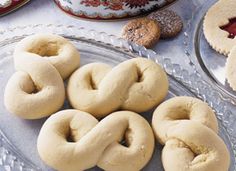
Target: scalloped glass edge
{"x":191,"y":79}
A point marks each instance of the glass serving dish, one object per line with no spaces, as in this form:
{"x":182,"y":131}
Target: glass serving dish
{"x":18,"y":137}
{"x":209,"y":63}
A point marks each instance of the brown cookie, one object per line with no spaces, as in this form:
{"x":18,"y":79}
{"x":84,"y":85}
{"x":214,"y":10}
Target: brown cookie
{"x":170,"y":22}
{"x":143,"y":31}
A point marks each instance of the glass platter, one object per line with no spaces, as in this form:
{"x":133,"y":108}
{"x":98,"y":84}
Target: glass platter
{"x":18,"y":137}
{"x":208,"y":62}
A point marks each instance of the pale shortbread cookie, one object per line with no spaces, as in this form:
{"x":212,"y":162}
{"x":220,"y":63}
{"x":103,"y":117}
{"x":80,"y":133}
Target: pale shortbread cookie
{"x":137,"y":85}
{"x":218,"y":15}
{"x":231,"y":69}
{"x":42,"y":62}
{"x":72,"y":140}
{"x":188,"y":129}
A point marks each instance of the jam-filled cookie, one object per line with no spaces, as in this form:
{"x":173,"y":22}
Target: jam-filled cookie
{"x":230,"y":69}
{"x":220,"y":26}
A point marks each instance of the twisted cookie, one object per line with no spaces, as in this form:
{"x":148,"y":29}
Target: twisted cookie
{"x":188,"y":129}
{"x":37,"y":90}
{"x":78,"y":141}
{"x":62,"y":54}
{"x":137,"y":85}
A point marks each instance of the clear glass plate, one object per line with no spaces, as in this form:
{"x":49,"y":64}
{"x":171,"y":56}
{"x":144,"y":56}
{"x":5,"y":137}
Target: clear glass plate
{"x":208,"y":62}
{"x":18,"y":137}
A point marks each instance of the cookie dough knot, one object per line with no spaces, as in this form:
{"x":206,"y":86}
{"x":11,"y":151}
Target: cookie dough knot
{"x":62,"y":54}
{"x":137,"y":85}
{"x":36,"y":89}
{"x":187,"y":127}
{"x":122,"y":141}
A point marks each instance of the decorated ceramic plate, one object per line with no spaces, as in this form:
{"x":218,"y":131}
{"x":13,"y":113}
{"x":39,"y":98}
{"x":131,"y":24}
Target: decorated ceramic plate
{"x":7,"y":6}
{"x":109,"y":9}
{"x":18,"y":137}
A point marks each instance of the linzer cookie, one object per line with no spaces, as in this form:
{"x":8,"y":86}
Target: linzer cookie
{"x":170,"y":22}
{"x":220,"y":26}
{"x":231,"y":69}
{"x":143,"y":31}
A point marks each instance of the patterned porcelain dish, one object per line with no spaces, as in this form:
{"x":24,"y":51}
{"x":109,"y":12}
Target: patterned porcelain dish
{"x":7,"y":6}
{"x":109,"y":9}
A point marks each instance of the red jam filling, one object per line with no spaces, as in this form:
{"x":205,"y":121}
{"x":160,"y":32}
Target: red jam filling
{"x":230,"y":28}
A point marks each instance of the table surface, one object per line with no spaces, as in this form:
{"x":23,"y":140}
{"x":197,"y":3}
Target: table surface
{"x":46,"y":12}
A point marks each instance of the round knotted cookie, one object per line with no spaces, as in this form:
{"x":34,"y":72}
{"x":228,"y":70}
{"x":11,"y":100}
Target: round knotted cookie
{"x":143,"y":31}
{"x":137,"y":85}
{"x":188,"y":129}
{"x":220,"y":26}
{"x":121,"y":141}
{"x":231,"y":69}
{"x":37,"y":90}
{"x":62,"y":54}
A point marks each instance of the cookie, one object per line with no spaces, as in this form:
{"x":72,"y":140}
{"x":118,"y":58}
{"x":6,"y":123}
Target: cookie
{"x":143,"y":31}
{"x":188,"y":127}
{"x":78,"y":141}
{"x":42,"y":62}
{"x":219,"y":26}
{"x":170,"y":23}
{"x":230,"y":68}
{"x":230,"y":28}
{"x":137,"y":85}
